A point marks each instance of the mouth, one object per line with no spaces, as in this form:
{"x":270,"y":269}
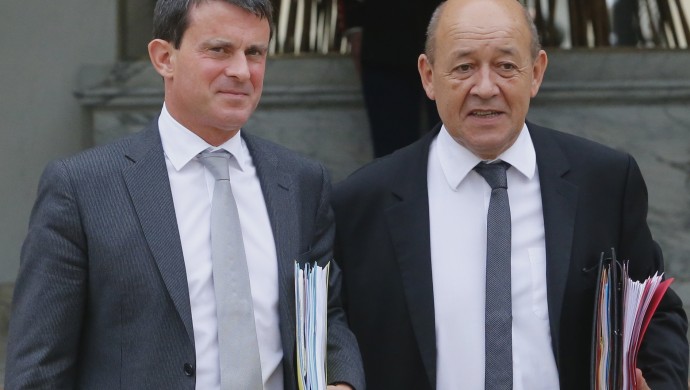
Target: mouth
{"x":231,"y":92}
{"x":485,"y":113}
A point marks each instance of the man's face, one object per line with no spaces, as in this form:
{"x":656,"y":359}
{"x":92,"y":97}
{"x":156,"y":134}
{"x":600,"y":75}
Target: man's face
{"x":216,"y":75}
{"x":483,"y":75}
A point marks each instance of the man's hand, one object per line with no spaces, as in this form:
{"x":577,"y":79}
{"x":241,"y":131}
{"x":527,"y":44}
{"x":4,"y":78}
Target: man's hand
{"x":340,"y":386}
{"x":641,"y":383}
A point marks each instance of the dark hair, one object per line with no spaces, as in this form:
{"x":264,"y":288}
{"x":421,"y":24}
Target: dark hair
{"x":430,"y":46}
{"x":171,"y":17}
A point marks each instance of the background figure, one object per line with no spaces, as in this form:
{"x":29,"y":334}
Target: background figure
{"x":626,"y":23}
{"x":387,"y":36}
{"x":435,"y":300}
{"x":165,"y":260}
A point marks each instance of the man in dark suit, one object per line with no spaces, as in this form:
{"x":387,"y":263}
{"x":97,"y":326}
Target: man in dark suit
{"x":386,"y":37}
{"x":116,"y":285}
{"x":412,"y":228}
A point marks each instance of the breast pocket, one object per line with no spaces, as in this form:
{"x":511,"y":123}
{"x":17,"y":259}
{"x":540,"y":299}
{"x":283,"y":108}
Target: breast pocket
{"x":537,"y":261}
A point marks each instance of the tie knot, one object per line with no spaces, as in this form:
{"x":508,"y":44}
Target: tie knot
{"x":217,"y":162}
{"x":494,"y":174}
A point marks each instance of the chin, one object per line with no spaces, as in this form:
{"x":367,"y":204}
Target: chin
{"x":233,"y":119}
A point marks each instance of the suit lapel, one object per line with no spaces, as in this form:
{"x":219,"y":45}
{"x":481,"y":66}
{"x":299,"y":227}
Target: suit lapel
{"x":559,"y":201}
{"x":282,"y":207}
{"x":149,"y":188}
{"x":408,"y":224}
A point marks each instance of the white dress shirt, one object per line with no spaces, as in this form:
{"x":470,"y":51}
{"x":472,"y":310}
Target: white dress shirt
{"x":192,"y":190}
{"x":458,"y":205}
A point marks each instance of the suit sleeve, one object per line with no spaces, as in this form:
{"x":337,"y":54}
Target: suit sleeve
{"x":344,"y":361}
{"x":663,"y":356}
{"x":50,"y":291}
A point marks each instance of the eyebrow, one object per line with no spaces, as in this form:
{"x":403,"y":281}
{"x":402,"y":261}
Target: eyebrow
{"x":219,"y":42}
{"x":508,"y":50}
{"x":259,"y":47}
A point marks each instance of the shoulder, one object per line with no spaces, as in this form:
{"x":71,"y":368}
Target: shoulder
{"x":270,"y":157}
{"x":103,"y":154}
{"x":265,"y":149}
{"x":104,"y":161}
{"x":400,"y":169}
{"x":580,"y":152}
{"x":378,"y":172}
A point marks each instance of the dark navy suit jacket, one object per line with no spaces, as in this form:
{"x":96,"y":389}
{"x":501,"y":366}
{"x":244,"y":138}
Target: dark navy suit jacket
{"x":594,"y":198}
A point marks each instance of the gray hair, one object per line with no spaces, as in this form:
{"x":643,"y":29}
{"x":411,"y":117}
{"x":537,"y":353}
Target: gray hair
{"x":430,"y":45}
{"x":171,"y":17}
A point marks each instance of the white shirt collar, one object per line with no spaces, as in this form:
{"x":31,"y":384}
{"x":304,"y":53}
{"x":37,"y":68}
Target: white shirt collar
{"x":457,"y":161}
{"x":181,"y":145}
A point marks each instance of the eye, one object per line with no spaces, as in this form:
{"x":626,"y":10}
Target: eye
{"x":463,"y":68}
{"x":255,"y":52}
{"x":507,"y":66}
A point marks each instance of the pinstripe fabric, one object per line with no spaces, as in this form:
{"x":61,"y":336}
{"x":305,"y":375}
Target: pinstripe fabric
{"x":290,"y":194}
{"x":101,"y":301}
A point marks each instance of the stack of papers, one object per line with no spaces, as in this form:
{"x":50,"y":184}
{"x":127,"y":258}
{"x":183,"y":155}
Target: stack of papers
{"x":624,"y":310}
{"x":311,"y":305}
{"x":640,"y":302}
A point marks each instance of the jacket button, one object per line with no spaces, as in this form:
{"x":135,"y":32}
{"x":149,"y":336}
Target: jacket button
{"x":188,"y":369}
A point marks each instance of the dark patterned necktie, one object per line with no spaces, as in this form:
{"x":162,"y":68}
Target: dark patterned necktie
{"x":498,"y":374}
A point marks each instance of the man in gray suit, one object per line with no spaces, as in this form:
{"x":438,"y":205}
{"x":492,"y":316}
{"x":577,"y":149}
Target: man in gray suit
{"x":116,"y":289}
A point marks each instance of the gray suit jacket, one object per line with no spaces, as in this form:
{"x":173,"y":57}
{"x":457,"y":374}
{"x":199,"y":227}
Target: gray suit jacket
{"x":101,"y":300}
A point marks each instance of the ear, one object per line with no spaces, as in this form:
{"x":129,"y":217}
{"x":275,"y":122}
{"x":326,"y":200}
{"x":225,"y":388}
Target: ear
{"x":538,"y":70}
{"x":161,"y":54}
{"x":426,"y":72}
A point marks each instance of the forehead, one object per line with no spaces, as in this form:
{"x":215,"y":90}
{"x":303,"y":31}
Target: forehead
{"x":201,"y":12}
{"x":222,"y":18}
{"x":484,"y":22}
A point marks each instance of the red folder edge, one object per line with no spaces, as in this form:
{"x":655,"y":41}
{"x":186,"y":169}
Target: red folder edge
{"x":653,"y":304}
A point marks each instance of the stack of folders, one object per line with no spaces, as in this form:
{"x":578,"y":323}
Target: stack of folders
{"x":311,"y":305}
{"x":623,"y":310}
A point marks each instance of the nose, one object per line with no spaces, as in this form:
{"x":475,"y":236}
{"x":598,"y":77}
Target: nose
{"x":237,"y":67}
{"x":485,"y":85}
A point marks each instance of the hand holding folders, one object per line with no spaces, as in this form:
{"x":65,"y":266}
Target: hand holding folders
{"x":623,"y":310}
{"x":311,"y":305}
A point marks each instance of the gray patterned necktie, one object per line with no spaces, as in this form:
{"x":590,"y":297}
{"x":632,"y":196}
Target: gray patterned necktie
{"x":238,"y":349}
{"x":498,"y":374}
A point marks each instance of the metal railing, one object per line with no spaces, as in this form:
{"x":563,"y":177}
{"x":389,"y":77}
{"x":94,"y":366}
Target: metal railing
{"x":302,"y":26}
{"x":307,"y":26}
{"x":604,"y":23}
{"x":311,"y":26}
